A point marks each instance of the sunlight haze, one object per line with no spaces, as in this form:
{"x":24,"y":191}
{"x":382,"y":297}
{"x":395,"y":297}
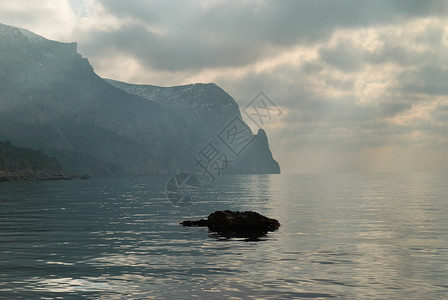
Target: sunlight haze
{"x":362,"y":85}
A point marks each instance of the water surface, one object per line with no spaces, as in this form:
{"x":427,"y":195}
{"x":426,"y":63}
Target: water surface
{"x":355,"y":236}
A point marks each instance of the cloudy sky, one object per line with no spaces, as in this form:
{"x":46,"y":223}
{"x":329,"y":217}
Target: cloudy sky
{"x":362,"y":85}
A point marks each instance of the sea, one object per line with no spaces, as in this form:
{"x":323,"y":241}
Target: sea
{"x":342,"y":236}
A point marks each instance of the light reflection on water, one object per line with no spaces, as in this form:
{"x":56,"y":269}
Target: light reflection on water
{"x":342,"y":236}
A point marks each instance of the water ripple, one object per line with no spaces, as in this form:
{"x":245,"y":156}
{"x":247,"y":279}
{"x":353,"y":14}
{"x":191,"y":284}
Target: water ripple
{"x":351,"y":236}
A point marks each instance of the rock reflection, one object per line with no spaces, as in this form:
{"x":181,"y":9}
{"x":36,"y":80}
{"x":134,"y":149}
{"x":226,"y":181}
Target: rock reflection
{"x":246,"y":235}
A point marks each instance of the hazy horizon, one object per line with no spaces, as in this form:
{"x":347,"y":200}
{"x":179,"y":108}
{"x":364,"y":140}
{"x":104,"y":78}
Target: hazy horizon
{"x":361,"y":86}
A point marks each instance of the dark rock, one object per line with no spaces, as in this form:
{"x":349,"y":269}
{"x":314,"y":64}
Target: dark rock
{"x":199,"y":223}
{"x":228,"y":224}
{"x":247,"y":220}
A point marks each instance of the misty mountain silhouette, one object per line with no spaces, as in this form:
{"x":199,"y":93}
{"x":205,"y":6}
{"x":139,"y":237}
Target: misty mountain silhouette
{"x":52,"y":100}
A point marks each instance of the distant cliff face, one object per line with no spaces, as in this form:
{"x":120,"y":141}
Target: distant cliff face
{"x":209,"y":111}
{"x":51,"y":99}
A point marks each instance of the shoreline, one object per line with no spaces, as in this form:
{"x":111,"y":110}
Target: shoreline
{"x":56,"y":177}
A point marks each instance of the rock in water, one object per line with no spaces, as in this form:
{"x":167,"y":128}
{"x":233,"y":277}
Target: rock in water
{"x":246,"y":224}
{"x":198,"y":223}
{"x":246,"y":220}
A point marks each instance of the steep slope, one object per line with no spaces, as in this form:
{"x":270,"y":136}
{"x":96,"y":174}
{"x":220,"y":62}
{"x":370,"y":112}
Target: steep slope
{"x":209,"y":110}
{"x":51,"y":99}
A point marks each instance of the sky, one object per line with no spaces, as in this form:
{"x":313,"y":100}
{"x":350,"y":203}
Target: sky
{"x":362,"y":86}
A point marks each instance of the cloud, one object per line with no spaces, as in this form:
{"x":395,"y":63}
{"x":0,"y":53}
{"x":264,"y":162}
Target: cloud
{"x":359,"y":82}
{"x":345,"y":56}
{"x":430,"y":79}
{"x":54,"y":19}
{"x":212,"y":34}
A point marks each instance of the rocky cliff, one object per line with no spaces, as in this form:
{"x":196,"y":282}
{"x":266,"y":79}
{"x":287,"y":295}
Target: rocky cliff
{"x":51,"y":99}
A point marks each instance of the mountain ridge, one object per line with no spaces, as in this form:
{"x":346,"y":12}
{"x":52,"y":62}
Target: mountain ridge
{"x":51,"y":99}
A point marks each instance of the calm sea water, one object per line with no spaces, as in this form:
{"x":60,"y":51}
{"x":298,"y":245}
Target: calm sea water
{"x":345,"y":236}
